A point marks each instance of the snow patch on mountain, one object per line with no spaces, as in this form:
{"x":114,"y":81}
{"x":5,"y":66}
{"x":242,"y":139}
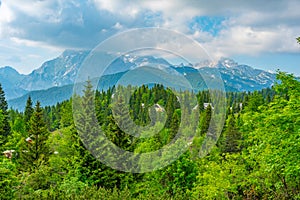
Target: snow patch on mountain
{"x":63,"y":70}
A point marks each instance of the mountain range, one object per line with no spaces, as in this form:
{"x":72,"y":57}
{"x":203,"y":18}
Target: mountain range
{"x":52,"y":82}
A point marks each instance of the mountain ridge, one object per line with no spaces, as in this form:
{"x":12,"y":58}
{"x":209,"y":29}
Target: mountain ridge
{"x":9,"y":79}
{"x":62,"y":71}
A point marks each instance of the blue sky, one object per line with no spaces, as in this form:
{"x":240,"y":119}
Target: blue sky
{"x":251,"y":32}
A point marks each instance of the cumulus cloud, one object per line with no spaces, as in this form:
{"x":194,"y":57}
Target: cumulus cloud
{"x":245,"y":27}
{"x":117,"y":26}
{"x":250,"y":27}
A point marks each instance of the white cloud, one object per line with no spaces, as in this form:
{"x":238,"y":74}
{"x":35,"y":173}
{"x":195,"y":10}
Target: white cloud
{"x":31,"y":43}
{"x":250,"y":27}
{"x":6,"y":14}
{"x":111,"y":6}
{"x":118,"y":26}
{"x":33,"y":8}
{"x":253,"y":40}
{"x":119,"y":7}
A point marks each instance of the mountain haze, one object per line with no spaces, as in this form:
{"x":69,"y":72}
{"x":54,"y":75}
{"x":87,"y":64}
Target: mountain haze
{"x":60,"y":73}
{"x":57,"y":72}
{"x":10,"y":80}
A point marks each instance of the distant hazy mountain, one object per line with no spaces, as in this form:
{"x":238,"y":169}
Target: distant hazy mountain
{"x":241,"y":77}
{"x":63,"y":70}
{"x":9,"y":79}
{"x":54,"y":95}
{"x":47,"y":97}
{"x":57,"y":72}
{"x":236,"y":78}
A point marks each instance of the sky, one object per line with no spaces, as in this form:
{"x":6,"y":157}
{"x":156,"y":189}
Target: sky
{"x":257,"y":33}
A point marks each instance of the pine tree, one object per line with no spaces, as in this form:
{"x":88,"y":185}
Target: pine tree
{"x":91,"y":169}
{"x":5,"y":127}
{"x":171,"y":105}
{"x":255,"y":100}
{"x":205,"y":121}
{"x":232,"y":136}
{"x":200,"y":102}
{"x":34,"y":149}
{"x":117,"y":132}
{"x":3,"y":103}
{"x":87,"y":120}
{"x":28,"y":113}
{"x":175,"y":123}
{"x":86,"y":123}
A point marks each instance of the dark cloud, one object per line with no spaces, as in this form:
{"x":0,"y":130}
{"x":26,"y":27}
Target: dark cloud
{"x":75,"y":25}
{"x":253,"y":26}
{"x":83,"y":24}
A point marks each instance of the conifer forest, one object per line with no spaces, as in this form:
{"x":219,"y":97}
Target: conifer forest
{"x":256,"y":156}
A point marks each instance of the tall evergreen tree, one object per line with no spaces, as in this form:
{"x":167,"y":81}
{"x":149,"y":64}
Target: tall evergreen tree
{"x":200,"y":102}
{"x":91,"y":169}
{"x":116,"y":134}
{"x":3,"y":103}
{"x":35,"y":150}
{"x":28,"y":113}
{"x":205,"y":120}
{"x":232,"y":136}
{"x":5,"y":127}
{"x":87,"y":120}
{"x":175,"y":123}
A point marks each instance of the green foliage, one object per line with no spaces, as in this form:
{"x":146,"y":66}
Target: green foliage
{"x":232,"y":136}
{"x":66,"y":114}
{"x":179,"y":176}
{"x":175,"y":123}
{"x":35,"y":151}
{"x":274,"y":142}
{"x":219,"y":178}
{"x":28,"y":113}
{"x":205,"y":120}
{"x":257,"y":156}
{"x":8,"y":179}
{"x":37,"y":180}
{"x":4,"y":123}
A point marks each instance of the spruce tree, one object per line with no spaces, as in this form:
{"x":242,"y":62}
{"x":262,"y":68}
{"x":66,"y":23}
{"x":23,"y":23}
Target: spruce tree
{"x":28,"y":113}
{"x":5,"y":127}
{"x":232,"y":136}
{"x":3,"y":103}
{"x":86,"y":125}
{"x":87,"y":120}
{"x":175,"y":123}
{"x":171,"y":105}
{"x":116,"y":134}
{"x":34,"y":149}
{"x":205,"y":120}
{"x":91,"y":169}
{"x":200,"y":102}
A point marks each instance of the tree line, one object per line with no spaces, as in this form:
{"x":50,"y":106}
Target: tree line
{"x":256,"y":155}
